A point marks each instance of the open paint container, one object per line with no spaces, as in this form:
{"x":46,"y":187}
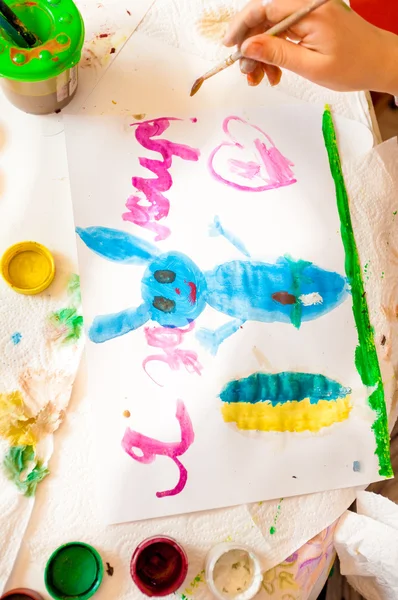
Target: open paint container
{"x":159,"y":566}
{"x":73,"y":571}
{"x":43,"y":79}
{"x":233,"y":572}
{"x":21,"y":594}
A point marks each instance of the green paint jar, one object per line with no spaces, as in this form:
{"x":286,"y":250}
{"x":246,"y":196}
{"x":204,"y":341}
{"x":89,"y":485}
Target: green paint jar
{"x":73,"y":571}
{"x":43,"y":79}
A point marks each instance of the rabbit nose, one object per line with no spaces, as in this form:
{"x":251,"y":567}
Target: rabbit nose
{"x":164,"y":276}
{"x":164,"y":304}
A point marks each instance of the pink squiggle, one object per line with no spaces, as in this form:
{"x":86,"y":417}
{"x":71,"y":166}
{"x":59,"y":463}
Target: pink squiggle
{"x":151,"y":448}
{"x":140,"y":213}
{"x":168,"y":339}
{"x":278,"y":172}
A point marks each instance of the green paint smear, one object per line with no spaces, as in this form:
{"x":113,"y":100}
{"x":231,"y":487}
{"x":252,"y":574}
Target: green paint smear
{"x":68,"y":320}
{"x":19,"y":459}
{"x":366,"y":360}
{"x":297,"y":267}
{"x":73,"y":290}
{"x":276,"y":517}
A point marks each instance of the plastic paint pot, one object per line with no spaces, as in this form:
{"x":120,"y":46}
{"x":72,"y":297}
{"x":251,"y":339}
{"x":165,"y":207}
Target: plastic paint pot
{"x":43,"y":79}
{"x":28,"y":268}
{"x":159,"y":566}
{"x":233,"y":572}
{"x":21,"y":594}
{"x":73,"y":571}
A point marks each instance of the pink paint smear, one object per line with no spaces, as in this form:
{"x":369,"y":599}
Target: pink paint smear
{"x":168,"y":339}
{"x":147,"y":212}
{"x":151,"y":448}
{"x":261,"y":162}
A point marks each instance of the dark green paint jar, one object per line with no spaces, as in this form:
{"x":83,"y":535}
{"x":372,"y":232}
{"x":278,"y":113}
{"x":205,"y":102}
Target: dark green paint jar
{"x":74,"y":571}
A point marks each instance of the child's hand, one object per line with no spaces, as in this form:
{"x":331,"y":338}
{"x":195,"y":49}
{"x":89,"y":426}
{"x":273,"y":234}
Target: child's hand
{"x":337,"y":48}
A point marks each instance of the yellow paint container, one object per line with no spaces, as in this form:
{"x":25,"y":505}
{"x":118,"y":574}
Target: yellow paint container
{"x":28,"y":267}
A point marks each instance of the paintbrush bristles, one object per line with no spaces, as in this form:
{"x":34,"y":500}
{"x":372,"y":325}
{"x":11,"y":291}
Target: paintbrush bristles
{"x":196,"y":86}
{"x":275,"y":30}
{"x":230,"y":60}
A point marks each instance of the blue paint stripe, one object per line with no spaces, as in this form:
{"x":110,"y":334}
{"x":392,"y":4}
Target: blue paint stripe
{"x":279,"y":388}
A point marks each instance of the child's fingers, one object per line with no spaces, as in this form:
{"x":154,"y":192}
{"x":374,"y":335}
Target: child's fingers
{"x":247,"y":65}
{"x":258,"y":13}
{"x":253,"y":15}
{"x":256,"y":76}
{"x":273,"y":73}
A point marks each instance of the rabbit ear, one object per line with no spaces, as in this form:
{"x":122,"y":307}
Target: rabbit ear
{"x":107,"y":327}
{"x":117,"y":245}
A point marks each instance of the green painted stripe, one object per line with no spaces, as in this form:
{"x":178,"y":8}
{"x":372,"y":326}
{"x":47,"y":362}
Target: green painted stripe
{"x":366,"y":360}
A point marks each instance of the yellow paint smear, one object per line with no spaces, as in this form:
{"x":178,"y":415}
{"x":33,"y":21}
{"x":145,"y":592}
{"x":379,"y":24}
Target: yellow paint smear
{"x":15,"y":420}
{"x":291,"y":416}
{"x":29,"y":269}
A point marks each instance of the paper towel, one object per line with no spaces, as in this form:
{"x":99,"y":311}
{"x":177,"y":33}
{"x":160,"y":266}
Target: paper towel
{"x":34,"y":355}
{"x":367,"y":545}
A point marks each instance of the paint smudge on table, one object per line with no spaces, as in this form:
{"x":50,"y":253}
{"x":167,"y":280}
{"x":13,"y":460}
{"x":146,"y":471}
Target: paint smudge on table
{"x":97,"y":51}
{"x":193,"y":585}
{"x":66,"y":325}
{"x":272,"y":530}
{"x":16,"y":338}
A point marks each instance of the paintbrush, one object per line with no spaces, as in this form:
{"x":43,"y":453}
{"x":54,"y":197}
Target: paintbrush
{"x":275,"y":30}
{"x":28,"y":37}
{"x":12,"y":33}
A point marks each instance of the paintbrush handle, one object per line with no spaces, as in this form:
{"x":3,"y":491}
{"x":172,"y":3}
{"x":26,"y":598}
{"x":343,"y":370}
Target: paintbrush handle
{"x":17,"y":24}
{"x":291,"y":20}
{"x":12,"y":33}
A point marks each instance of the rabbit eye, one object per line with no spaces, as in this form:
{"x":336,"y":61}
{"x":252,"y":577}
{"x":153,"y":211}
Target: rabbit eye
{"x":164,"y":276}
{"x":164,"y":304}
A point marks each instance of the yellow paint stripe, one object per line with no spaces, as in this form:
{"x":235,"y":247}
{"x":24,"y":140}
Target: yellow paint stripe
{"x":291,"y":416}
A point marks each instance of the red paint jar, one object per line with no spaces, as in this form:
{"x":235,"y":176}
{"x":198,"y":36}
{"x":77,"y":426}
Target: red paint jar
{"x":21,"y":594}
{"x":159,"y":566}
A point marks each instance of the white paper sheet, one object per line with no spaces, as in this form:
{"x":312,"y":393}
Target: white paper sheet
{"x":225,"y":465}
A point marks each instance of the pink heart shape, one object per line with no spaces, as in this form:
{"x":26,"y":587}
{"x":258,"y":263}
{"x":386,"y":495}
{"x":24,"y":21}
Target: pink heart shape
{"x":254,"y":166}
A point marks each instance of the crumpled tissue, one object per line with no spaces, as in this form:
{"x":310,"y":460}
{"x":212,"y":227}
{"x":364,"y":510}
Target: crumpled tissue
{"x":367,"y":545}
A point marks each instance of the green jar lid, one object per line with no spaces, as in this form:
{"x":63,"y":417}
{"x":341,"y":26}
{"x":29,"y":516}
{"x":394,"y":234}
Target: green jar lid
{"x":73,"y":572}
{"x":59,"y":26}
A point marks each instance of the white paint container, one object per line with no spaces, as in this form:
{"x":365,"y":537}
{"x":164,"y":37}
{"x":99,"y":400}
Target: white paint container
{"x":233,"y":572}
